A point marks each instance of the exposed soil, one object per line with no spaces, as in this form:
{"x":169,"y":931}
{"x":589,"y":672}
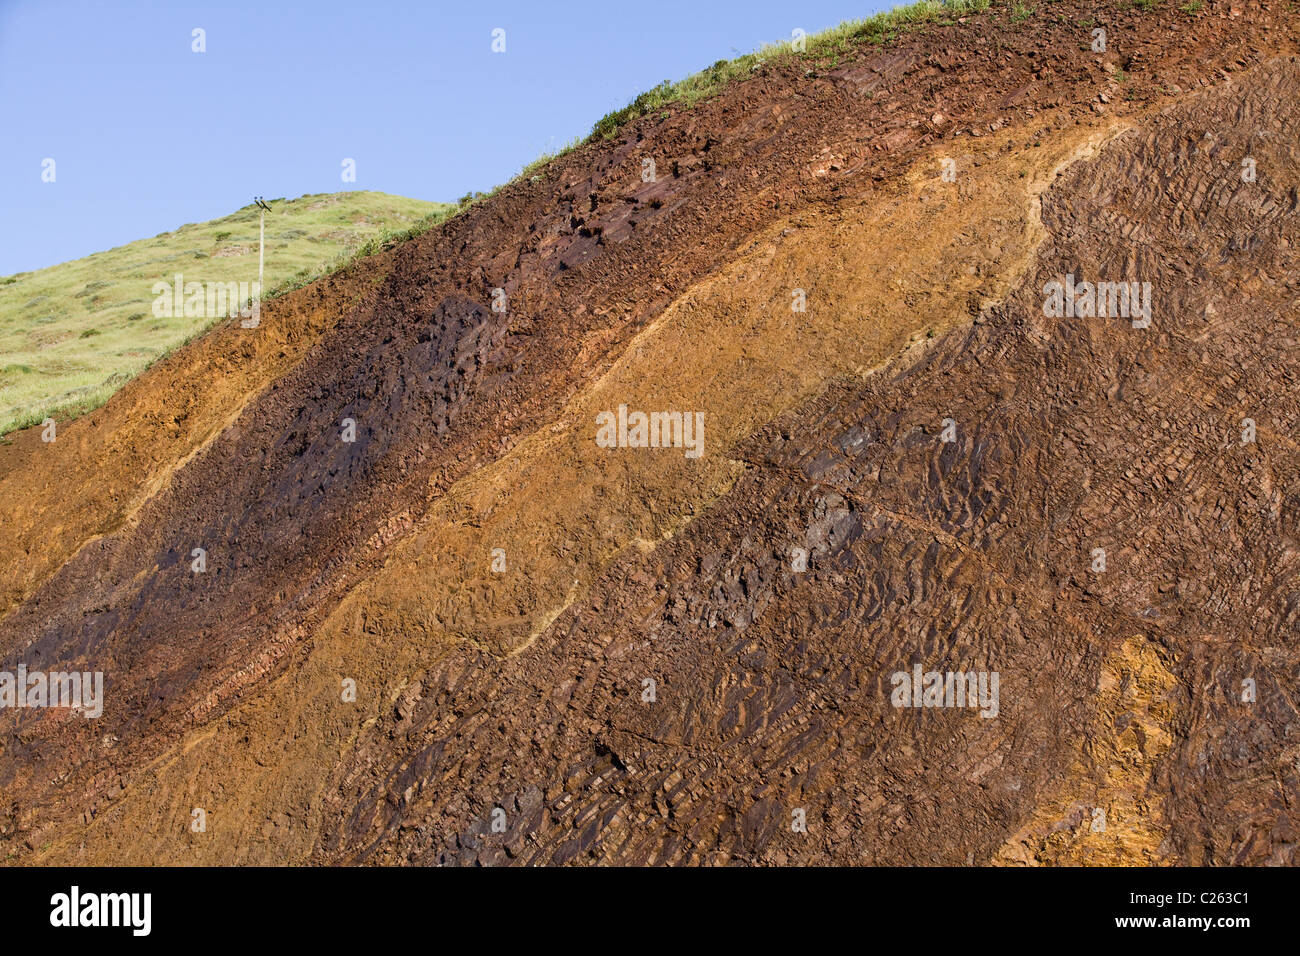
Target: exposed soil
{"x":523,"y":689}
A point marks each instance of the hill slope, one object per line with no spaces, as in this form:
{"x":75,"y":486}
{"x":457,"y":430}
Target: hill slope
{"x":440,"y":620}
{"x":73,"y":333}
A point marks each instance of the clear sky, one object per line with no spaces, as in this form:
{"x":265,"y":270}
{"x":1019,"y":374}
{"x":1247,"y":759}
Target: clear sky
{"x":147,"y":135}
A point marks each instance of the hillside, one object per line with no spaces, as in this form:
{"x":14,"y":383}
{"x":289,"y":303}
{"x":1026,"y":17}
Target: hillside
{"x":71,"y":334}
{"x":399,"y":577}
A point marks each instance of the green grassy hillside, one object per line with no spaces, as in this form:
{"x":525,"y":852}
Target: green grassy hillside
{"x":72,"y":334}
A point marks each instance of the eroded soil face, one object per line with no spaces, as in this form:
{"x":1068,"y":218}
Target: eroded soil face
{"x":569,"y":653}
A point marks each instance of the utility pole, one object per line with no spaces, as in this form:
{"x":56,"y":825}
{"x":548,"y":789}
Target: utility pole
{"x":261,"y":236}
{"x":263,"y":209}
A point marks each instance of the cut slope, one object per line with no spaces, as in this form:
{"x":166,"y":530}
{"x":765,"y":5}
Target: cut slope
{"x":370,"y":560}
{"x":773,"y":684}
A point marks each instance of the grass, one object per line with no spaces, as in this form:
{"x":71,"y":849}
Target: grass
{"x":1020,"y":13}
{"x":1193,"y":8}
{"x":538,"y":164}
{"x":72,"y":334}
{"x":386,"y":238}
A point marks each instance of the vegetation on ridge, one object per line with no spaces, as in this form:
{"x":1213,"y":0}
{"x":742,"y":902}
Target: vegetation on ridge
{"x":72,"y":334}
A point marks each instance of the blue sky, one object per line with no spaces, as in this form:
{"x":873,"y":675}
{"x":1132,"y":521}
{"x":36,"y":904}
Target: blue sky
{"x":147,"y":135}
